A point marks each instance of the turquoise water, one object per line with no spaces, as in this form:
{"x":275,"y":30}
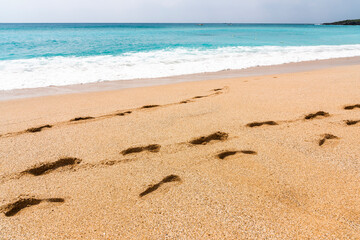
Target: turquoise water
{"x":18,"y":41}
{"x":36,"y":55}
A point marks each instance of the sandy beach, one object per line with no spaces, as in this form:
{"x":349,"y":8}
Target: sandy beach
{"x":257,"y":157}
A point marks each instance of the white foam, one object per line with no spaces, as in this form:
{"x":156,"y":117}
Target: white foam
{"x":41,"y":72}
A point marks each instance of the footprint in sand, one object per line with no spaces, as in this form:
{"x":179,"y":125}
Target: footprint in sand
{"x":150,"y":106}
{"x":168,"y":179}
{"x":226,"y":154}
{"x":259,"y":124}
{"x":44,"y":168}
{"x":351,"y":107}
{"x":81,"y":119}
{"x":317,"y":114}
{"x":327,"y":136}
{"x":123,"y":113}
{"x":38,"y":129}
{"x":218,"y":136}
{"x":64,"y":164}
{"x":217,"y":89}
{"x":150,"y":148}
{"x":352,"y":122}
{"x":12,"y":209}
{"x":197,"y":97}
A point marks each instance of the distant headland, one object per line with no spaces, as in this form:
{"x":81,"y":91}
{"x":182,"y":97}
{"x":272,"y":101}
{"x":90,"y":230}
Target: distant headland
{"x":345,"y":22}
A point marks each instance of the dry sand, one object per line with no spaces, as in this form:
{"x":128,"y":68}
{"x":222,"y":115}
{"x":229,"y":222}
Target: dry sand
{"x":75,"y":179}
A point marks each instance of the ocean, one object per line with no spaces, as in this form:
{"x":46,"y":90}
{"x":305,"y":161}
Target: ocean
{"x":40,"y":55}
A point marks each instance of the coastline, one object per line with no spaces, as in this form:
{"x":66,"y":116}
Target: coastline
{"x":135,"y":83}
{"x":185,"y":160}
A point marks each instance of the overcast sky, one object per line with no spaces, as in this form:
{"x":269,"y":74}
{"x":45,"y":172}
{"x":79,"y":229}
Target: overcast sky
{"x":242,"y":11}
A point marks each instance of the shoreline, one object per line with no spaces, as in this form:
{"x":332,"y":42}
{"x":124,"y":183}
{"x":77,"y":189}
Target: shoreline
{"x":6,"y":95}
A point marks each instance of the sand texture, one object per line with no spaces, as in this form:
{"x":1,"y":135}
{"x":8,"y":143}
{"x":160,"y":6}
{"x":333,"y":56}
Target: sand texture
{"x":265,"y":157}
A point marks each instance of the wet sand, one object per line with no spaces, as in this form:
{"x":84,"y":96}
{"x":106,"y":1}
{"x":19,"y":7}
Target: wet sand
{"x":134,"y":83}
{"x":256,"y":157}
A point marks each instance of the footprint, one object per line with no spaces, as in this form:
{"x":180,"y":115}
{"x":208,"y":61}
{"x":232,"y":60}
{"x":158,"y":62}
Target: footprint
{"x":151,"y":148}
{"x":225,"y":154}
{"x":351,"y":107}
{"x":13,"y":208}
{"x":217,"y":89}
{"x":314,"y":115}
{"x":197,"y":97}
{"x":80,"y":119}
{"x":152,"y":188}
{"x":66,"y":164}
{"x":327,"y":136}
{"x":112,"y":162}
{"x":150,"y":106}
{"x":48,"y":167}
{"x":218,"y":136}
{"x":248,"y":152}
{"x":123,"y":113}
{"x":352,"y":122}
{"x":38,"y":129}
{"x":258,"y":124}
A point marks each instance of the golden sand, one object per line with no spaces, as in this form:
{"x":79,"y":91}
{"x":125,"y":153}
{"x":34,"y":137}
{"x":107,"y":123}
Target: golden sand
{"x":256,"y":157}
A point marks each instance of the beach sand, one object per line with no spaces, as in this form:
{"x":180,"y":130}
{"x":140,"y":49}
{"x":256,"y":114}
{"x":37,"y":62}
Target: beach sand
{"x":191,"y":164}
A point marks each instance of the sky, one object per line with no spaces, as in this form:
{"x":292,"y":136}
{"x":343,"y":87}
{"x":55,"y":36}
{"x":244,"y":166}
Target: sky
{"x":195,"y":11}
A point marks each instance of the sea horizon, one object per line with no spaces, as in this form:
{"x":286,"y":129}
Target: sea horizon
{"x":279,"y":23}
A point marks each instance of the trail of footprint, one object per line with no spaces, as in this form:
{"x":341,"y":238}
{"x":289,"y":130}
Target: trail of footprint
{"x":217,"y":136}
{"x":351,"y":107}
{"x":12,"y":209}
{"x":168,"y":179}
{"x":84,"y":119}
{"x":327,"y":136}
{"x":273,"y":123}
{"x":150,"y":148}
{"x":317,"y":114}
{"x":226,"y":154}
{"x":259,"y":124}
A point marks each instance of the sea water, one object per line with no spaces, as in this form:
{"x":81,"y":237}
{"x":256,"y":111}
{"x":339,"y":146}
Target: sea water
{"x":39,"y":55}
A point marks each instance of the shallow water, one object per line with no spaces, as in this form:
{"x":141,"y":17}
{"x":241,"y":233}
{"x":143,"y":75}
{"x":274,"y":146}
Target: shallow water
{"x":38,"y":55}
